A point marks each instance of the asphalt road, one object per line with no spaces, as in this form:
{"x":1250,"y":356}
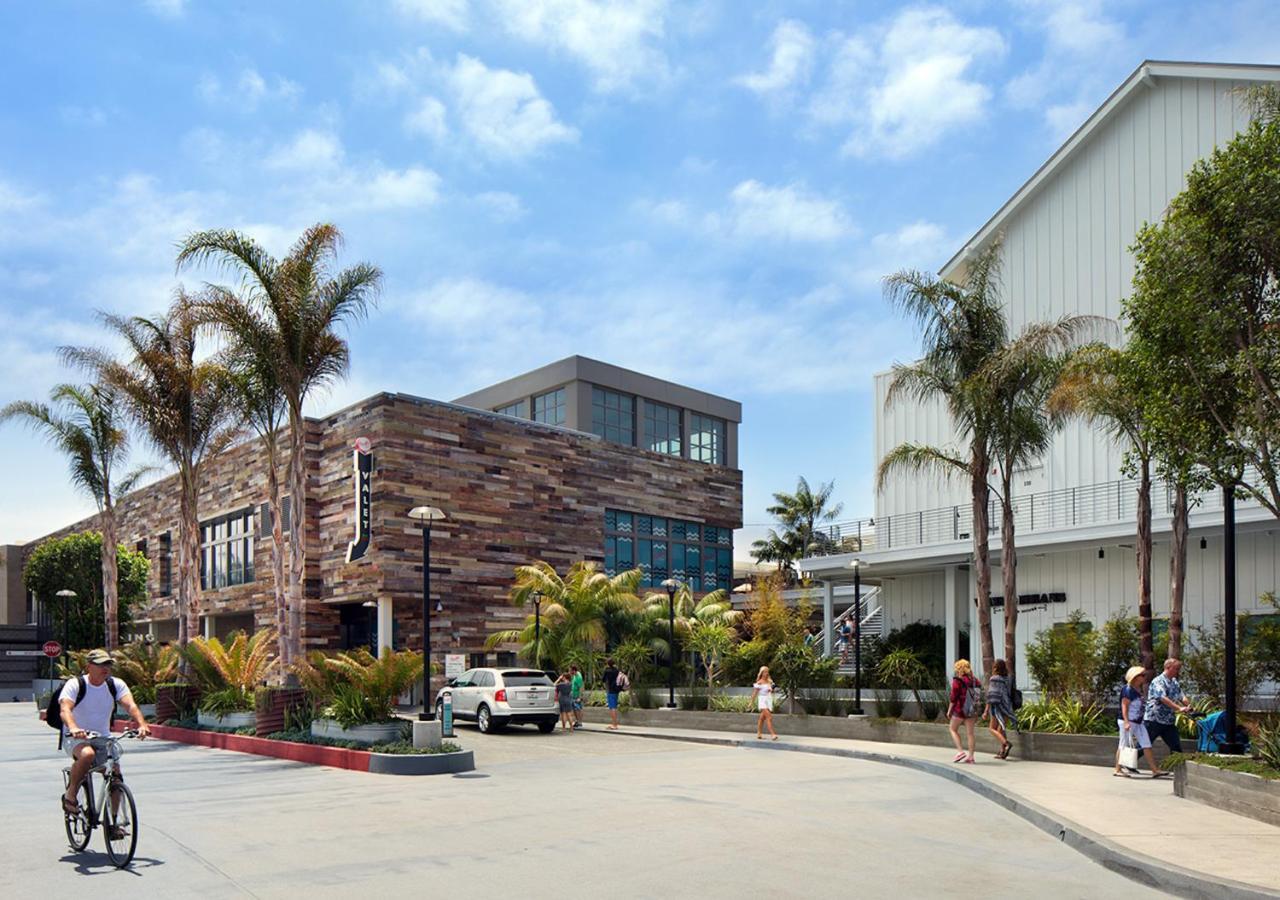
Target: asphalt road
{"x":580,"y":815}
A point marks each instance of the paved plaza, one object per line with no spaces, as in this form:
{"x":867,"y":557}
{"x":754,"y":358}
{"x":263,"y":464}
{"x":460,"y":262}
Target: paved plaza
{"x":587,"y":814}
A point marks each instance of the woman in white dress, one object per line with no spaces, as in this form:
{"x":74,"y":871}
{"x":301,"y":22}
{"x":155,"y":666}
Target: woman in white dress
{"x":762,"y":693}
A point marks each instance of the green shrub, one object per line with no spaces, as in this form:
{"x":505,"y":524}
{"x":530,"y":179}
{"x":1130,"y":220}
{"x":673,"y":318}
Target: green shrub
{"x":732,"y":704}
{"x":933,"y":703}
{"x":1266,"y":744}
{"x":1063,"y":660}
{"x":226,"y":700}
{"x":901,"y":669}
{"x":695,"y":699}
{"x":369,"y":686}
{"x":1118,"y":647}
{"x":1065,"y":715}
{"x":889,"y":703}
{"x":925,"y":639}
{"x":351,"y":707}
{"x":1204,"y":663}
{"x":642,"y":697}
{"x":743,"y":662}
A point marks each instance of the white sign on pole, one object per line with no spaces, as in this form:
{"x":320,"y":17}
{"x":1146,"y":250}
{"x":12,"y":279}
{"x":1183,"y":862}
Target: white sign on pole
{"x":24,"y":653}
{"x":454,"y":664}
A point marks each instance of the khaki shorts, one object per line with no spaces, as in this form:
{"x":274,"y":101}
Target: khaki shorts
{"x":99,"y":745}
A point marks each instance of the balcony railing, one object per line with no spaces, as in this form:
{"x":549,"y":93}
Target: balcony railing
{"x":1094,"y":504}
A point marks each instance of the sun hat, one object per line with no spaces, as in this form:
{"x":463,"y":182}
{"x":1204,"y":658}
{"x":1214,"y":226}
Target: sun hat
{"x":101,"y":658}
{"x":1132,"y":673}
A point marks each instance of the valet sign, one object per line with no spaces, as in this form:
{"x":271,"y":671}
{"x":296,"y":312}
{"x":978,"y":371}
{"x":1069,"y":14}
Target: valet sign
{"x":362,"y":464}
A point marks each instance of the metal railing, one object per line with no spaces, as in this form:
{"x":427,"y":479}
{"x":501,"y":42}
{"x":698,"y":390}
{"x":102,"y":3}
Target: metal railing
{"x":1094,"y":504}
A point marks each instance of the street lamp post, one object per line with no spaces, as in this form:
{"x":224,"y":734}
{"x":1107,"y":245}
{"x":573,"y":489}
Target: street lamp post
{"x":671,"y":585}
{"x":66,"y":594}
{"x":856,"y":565}
{"x":537,"y":629}
{"x":424,"y":516}
{"x":1230,"y":745}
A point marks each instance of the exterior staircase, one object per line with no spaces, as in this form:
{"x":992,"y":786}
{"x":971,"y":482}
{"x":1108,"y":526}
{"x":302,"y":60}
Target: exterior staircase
{"x":871,"y":628}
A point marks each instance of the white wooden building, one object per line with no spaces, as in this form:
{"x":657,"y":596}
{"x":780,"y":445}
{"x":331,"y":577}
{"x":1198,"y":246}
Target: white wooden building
{"x":1067,"y":233}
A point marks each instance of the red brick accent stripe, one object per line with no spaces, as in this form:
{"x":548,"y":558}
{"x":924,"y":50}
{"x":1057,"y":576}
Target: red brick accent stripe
{"x":313,"y":754}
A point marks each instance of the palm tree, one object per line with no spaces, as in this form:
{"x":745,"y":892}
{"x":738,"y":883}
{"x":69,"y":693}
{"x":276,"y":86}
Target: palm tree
{"x":963,"y":331}
{"x":1102,"y":385}
{"x":713,"y":610}
{"x":84,"y":423}
{"x":799,"y":516}
{"x":574,"y":610}
{"x":182,"y":406}
{"x":294,"y":305}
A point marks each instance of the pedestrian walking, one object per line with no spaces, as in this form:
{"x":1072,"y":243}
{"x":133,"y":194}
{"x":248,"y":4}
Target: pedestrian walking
{"x":846,"y":639}
{"x":999,"y":711}
{"x":964,"y":708}
{"x":1133,"y":732}
{"x":1164,"y":701}
{"x":564,"y":697}
{"x":611,"y":676}
{"x":762,"y":693}
{"x":577,"y":684}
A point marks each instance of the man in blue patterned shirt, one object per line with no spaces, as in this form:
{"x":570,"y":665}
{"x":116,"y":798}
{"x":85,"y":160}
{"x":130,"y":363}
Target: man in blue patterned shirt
{"x":1164,"y":701}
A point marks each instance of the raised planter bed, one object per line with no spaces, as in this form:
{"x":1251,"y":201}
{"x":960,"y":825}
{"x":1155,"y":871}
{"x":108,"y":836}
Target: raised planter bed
{"x":230,"y":720}
{"x":381,"y":733}
{"x":315,"y":754}
{"x":1239,"y":792}
{"x":273,"y":706}
{"x":1083,"y":749}
{"x":174,"y":700}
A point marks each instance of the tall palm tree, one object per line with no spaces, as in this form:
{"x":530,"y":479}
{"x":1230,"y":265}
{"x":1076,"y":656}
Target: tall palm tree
{"x":573,"y":612}
{"x":83,"y":422}
{"x":1102,"y":385}
{"x":294,"y":306}
{"x":799,"y":516}
{"x":183,"y":407}
{"x":712,"y":609}
{"x":963,"y":330}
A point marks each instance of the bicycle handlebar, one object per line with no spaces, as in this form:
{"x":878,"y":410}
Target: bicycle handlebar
{"x":127,"y":733}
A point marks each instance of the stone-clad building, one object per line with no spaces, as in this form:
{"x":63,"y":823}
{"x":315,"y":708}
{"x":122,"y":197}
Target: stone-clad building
{"x":576,"y":460}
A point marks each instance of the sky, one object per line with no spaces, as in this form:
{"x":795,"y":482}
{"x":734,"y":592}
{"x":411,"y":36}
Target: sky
{"x":707,"y":191}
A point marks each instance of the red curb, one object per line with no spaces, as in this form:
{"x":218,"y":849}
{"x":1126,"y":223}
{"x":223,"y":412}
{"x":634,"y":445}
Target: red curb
{"x":312,"y":754}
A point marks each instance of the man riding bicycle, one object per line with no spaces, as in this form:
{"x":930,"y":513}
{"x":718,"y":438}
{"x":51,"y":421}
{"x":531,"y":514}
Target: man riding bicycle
{"x":92,"y":713}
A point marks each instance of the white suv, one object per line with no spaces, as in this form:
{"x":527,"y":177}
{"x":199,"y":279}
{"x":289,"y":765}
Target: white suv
{"x":496,"y":698}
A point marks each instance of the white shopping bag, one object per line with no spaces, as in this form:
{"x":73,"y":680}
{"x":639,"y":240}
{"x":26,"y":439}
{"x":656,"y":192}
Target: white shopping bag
{"x":1129,"y":753}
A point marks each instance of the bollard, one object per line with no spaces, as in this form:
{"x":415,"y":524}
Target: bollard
{"x":446,"y":709}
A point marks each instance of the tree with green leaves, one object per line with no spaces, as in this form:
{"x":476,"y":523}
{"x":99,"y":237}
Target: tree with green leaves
{"x":84,"y":423}
{"x":74,"y":563}
{"x":574,"y":608}
{"x":182,"y":405}
{"x":713,"y":609}
{"x":292,"y":307}
{"x":799,"y":518}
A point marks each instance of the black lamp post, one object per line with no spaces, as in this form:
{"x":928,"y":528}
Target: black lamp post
{"x":537,"y":629}
{"x":1230,"y":745}
{"x":424,"y":516}
{"x":671,"y":585}
{"x":856,"y":565}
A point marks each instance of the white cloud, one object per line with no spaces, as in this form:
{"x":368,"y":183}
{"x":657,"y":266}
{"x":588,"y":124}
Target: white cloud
{"x":451,"y":14}
{"x":247,"y":91}
{"x":461,"y":305}
{"x":392,"y":189}
{"x":309,"y":150}
{"x":501,"y":206}
{"x":503,"y":111}
{"x":614,"y":39}
{"x":1064,"y":118}
{"x":790,"y":64}
{"x":786,"y":213}
{"x":15,"y":199}
{"x":168,"y":8}
{"x":428,"y":119}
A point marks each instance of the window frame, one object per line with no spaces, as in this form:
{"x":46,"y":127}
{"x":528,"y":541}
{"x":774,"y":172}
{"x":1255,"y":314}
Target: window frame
{"x":224,"y":538}
{"x":560,"y":406}
{"x":651,"y":423}
{"x":713,"y":451}
{"x":702,"y":552}
{"x":626,"y":410}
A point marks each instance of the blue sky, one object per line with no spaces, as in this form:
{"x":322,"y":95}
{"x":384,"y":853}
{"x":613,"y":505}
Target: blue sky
{"x":705,"y":190}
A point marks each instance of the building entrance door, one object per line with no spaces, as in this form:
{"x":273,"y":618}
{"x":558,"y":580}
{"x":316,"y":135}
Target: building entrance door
{"x":357,"y":627}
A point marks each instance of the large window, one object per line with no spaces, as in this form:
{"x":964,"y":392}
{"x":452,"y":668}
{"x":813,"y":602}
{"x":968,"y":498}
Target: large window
{"x":699,"y":555}
{"x":549,"y":408}
{"x":515,"y":409}
{"x":613,"y":416}
{"x":707,"y":439}
{"x":661,"y":428}
{"x":226,"y":550}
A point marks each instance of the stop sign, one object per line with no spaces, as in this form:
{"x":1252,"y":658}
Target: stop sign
{"x":52,"y":649}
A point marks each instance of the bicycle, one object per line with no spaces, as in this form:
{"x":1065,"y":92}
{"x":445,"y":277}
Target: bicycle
{"x":114,"y":810}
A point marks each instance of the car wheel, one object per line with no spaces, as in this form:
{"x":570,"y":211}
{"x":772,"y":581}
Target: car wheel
{"x":484,"y":721}
{"x":547,"y":727}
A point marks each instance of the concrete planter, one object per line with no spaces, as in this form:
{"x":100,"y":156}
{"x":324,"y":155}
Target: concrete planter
{"x":230,"y":720}
{"x":148,"y":710}
{"x":422,"y":763}
{"x":1081,"y":749}
{"x":1236,"y":792}
{"x":273,"y":706}
{"x":381,"y":733}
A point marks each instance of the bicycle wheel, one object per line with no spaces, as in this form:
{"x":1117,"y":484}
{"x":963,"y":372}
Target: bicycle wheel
{"x":120,"y":824}
{"x":78,"y":827}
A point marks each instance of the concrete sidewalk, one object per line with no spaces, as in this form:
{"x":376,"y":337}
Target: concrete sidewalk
{"x":1132,"y":825}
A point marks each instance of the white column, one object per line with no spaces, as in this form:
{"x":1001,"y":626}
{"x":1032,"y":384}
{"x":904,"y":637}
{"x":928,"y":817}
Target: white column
{"x":949,"y":603}
{"x":208,"y":627}
{"x":828,"y":614}
{"x":386,"y":626}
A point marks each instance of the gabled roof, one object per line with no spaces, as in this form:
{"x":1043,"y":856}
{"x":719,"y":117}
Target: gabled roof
{"x":1143,"y":77}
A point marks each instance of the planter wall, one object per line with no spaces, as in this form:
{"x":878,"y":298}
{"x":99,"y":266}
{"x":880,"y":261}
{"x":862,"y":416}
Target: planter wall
{"x":273,"y":705}
{"x":1236,"y":792}
{"x":1083,"y":749}
{"x":381,"y":733}
{"x":230,"y":720}
{"x":148,"y":710}
{"x":175,"y":699}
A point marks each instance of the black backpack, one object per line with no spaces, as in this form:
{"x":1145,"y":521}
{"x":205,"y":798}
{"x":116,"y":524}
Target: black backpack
{"x":53,"y":713}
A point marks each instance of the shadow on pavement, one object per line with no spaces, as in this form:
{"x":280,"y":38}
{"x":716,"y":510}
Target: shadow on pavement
{"x":89,"y":862}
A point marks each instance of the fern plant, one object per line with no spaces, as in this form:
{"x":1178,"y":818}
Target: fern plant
{"x":242,"y":663}
{"x":379,"y":680}
{"x":1266,"y":743}
{"x":145,"y":664}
